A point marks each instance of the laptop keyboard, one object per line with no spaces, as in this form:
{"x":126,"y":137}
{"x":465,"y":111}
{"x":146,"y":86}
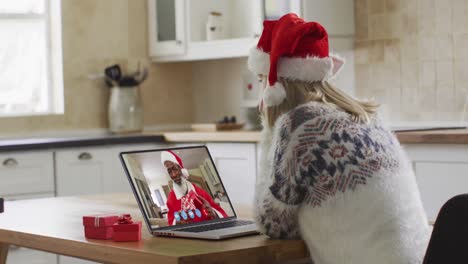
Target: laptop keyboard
{"x":204,"y":228}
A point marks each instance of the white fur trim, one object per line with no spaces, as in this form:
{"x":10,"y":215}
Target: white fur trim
{"x":185,"y":173}
{"x":274,"y":95}
{"x":309,"y":69}
{"x":167,"y":156}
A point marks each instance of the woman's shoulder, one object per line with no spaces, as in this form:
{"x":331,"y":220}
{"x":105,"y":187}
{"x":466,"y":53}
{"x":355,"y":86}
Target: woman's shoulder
{"x":309,"y":113}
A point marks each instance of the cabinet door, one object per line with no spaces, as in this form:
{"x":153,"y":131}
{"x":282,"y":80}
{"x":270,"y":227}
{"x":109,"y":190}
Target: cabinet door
{"x":26,"y":172}
{"x":166,"y":27}
{"x":80,"y":171}
{"x":441,"y":173}
{"x":18,"y":255}
{"x":236,"y":164}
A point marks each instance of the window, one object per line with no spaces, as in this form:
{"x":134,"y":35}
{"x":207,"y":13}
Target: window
{"x":31,"y":80}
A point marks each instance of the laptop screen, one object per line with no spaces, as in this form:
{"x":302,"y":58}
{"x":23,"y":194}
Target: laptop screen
{"x":177,"y":186}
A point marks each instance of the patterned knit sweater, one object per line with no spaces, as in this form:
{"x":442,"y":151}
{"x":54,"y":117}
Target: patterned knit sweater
{"x":344,"y":187}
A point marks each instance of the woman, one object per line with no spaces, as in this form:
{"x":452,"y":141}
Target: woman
{"x":331,"y":172}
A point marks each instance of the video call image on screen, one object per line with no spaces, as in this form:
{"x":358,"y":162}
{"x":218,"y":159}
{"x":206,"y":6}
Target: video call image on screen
{"x":177,"y":187}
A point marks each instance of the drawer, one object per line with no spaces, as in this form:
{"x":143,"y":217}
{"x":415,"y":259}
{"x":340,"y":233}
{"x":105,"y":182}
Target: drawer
{"x":24,"y":173}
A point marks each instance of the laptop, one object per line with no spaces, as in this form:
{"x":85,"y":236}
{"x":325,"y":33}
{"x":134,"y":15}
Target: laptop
{"x":180,"y":194}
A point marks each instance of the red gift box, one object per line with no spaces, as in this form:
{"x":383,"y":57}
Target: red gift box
{"x":127,"y":230}
{"x":99,"y":226}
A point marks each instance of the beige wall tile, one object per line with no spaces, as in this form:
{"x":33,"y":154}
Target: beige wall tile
{"x":461,"y":46}
{"x":362,"y":27}
{"x":376,"y":51}
{"x":444,"y":47}
{"x":361,"y":7}
{"x":93,"y":30}
{"x":427,"y":74}
{"x":392,"y":51}
{"x":460,"y":19}
{"x":137,"y":28}
{"x":409,"y":48}
{"x":426,"y":48}
{"x":363,"y":75}
{"x":443,"y":22}
{"x":392,"y":5}
{"x":385,"y":76}
{"x":444,"y":77}
{"x":362,"y":52}
{"x":379,"y":27}
{"x":395,"y":24}
{"x":446,"y":99}
{"x":409,"y":76}
{"x":376,"y":6}
{"x":461,"y":74}
{"x":427,"y":17}
{"x":409,"y":22}
{"x":427,"y":97}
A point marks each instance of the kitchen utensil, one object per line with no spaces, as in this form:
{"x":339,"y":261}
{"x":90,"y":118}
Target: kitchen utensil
{"x":113,"y":72}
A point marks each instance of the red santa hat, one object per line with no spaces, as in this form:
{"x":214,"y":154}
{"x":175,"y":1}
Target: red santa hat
{"x":169,"y":155}
{"x":293,"y":49}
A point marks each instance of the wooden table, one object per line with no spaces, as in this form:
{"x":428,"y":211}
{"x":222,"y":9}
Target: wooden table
{"x":55,"y":225}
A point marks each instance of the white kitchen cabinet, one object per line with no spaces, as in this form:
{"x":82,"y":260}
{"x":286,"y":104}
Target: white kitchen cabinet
{"x":26,"y":173}
{"x":19,"y":255}
{"x":80,"y":171}
{"x":237,"y":167}
{"x":93,"y":170}
{"x":441,"y":172}
{"x":167,"y":27}
{"x":177,"y":29}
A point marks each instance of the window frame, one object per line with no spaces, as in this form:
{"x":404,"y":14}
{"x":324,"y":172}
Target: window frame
{"x":54,"y":80}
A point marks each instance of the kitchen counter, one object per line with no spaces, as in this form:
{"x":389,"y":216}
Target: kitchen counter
{"x":456,"y":136}
{"x":70,"y":142}
{"x":222,"y":136}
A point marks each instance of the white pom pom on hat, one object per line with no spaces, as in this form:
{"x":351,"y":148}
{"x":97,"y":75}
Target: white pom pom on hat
{"x":169,"y":155}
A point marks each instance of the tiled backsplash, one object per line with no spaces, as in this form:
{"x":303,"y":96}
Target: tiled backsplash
{"x":412,"y":56}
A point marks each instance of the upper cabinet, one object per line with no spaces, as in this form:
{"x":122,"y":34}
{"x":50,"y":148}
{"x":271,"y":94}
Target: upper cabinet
{"x":184,"y":30}
{"x":167,"y":27}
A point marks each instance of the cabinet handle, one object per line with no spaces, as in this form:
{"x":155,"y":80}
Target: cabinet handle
{"x":256,"y":35}
{"x":10,"y":162}
{"x":85,"y":156}
{"x":178,"y":42}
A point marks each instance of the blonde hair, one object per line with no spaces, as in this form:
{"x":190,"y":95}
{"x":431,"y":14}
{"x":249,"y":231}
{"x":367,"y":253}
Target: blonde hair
{"x":299,"y":92}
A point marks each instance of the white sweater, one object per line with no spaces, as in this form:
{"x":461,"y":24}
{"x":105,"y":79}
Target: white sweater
{"x":344,"y":187}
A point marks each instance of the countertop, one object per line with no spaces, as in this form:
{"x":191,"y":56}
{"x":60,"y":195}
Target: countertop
{"x":19,"y":144}
{"x":450,"y":136}
{"x":456,"y":136}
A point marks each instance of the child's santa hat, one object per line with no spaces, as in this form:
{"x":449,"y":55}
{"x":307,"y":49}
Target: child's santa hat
{"x":168,"y":155}
{"x":293,"y":49}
